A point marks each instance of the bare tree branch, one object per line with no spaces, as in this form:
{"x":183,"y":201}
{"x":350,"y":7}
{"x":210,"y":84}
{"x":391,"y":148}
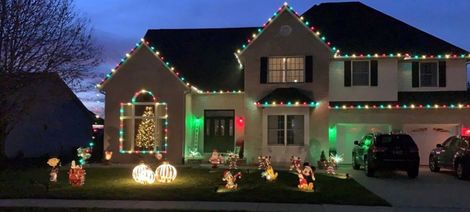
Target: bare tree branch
{"x":46,"y":36}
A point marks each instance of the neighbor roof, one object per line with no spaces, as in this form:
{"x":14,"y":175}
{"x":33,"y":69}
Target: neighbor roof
{"x":205,"y":57}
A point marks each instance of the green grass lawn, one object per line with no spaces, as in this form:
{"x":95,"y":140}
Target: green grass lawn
{"x":191,"y":184}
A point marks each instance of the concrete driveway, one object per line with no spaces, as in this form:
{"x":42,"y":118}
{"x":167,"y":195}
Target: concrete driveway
{"x":429,"y":192}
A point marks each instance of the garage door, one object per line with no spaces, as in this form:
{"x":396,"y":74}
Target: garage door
{"x":346,"y":134}
{"x":427,"y":136}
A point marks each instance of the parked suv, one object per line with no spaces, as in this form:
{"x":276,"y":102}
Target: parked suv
{"x":454,"y":154}
{"x":386,"y":151}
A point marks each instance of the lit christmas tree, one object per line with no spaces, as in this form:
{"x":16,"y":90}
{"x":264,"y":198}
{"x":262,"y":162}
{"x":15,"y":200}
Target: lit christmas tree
{"x":145,"y":138}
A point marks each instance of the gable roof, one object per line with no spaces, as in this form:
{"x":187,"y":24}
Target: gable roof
{"x":354,"y":27}
{"x":206,"y":59}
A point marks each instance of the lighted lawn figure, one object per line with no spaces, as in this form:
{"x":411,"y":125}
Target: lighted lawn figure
{"x":191,"y":185}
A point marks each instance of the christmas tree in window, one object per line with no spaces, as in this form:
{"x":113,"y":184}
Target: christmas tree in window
{"x":145,"y":138}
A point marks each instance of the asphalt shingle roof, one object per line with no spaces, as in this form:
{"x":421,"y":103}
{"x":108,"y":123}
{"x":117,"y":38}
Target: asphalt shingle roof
{"x":205,"y":57}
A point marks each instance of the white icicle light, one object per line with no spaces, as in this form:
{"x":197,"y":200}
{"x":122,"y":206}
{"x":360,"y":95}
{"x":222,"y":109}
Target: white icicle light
{"x":143,"y":174}
{"x":165,"y":173}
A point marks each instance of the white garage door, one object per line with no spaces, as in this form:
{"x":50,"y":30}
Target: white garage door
{"x":427,"y":136}
{"x":346,"y":134}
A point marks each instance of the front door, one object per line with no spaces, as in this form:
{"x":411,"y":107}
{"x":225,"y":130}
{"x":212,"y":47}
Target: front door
{"x":219,"y":132}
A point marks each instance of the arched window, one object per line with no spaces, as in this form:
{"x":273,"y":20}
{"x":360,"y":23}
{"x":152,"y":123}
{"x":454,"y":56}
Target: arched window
{"x":143,"y":127}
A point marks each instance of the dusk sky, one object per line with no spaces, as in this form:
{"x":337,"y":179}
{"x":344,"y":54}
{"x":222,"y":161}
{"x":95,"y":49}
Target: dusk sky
{"x":119,"y":24}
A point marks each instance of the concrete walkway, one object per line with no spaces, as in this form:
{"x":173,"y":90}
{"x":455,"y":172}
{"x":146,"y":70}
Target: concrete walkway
{"x":185,"y":205}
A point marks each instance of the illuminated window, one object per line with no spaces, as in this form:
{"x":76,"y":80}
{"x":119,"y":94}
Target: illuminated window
{"x":143,"y":125}
{"x":286,"y":69}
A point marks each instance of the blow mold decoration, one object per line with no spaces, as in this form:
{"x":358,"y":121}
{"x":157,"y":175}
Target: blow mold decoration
{"x":216,"y":159}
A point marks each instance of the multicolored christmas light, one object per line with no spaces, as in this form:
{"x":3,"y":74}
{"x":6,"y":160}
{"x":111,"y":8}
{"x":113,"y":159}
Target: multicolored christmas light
{"x":286,"y":7}
{"x":121,"y":126}
{"x":400,"y":106}
{"x":405,"y":56}
{"x":287,"y":104}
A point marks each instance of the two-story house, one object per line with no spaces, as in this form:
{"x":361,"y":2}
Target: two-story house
{"x":296,"y":85}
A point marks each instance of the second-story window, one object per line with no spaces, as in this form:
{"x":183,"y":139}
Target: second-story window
{"x":286,"y":69}
{"x":360,"y":73}
{"x":428,"y":74}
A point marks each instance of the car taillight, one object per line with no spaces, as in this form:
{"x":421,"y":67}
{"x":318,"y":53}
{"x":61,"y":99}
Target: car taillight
{"x":378,"y":149}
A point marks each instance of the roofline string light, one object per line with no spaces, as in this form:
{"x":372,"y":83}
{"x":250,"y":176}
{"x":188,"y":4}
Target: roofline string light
{"x":288,"y":104}
{"x":157,"y":53}
{"x":400,"y":106}
{"x":165,"y":63}
{"x":405,"y":56}
{"x":286,"y":6}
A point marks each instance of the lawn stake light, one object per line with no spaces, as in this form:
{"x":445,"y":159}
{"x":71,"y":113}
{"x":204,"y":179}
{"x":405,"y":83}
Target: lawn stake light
{"x":306,"y":178}
{"x":165,"y":173}
{"x":84,"y":154}
{"x":76,"y":175}
{"x":264,"y":162}
{"x":269,"y":174}
{"x":295,"y":163}
{"x":231,"y":179}
{"x":54,"y":163}
{"x":143,"y":174}
{"x":232,"y":160}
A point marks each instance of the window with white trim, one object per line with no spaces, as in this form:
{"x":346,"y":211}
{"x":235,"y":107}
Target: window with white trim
{"x":286,"y":130}
{"x":143,"y":127}
{"x":286,"y":69}
{"x":361,"y":73}
{"x":428,"y":74}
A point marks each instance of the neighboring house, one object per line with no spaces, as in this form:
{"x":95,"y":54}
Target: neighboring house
{"x":299,"y":85}
{"x":41,"y":116}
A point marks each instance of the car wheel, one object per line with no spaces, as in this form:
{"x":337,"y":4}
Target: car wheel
{"x":369,"y":171}
{"x":462,"y":173}
{"x":413,"y":172}
{"x":433,"y":164}
{"x":354,"y":163}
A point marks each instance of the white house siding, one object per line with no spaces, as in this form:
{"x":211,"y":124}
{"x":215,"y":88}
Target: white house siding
{"x":404,"y":120}
{"x":226,"y":101}
{"x":386,"y":89}
{"x":300,"y":42}
{"x":456,"y":76}
{"x":144,"y":71}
